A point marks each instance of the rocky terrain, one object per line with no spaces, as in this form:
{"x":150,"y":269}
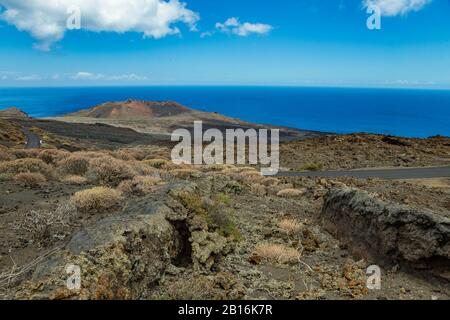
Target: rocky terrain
{"x":356,"y":151}
{"x":108,"y":199}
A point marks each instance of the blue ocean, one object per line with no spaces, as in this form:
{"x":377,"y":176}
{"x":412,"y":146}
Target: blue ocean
{"x":402,"y":112}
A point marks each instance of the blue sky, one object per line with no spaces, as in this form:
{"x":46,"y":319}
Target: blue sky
{"x":216,"y":42}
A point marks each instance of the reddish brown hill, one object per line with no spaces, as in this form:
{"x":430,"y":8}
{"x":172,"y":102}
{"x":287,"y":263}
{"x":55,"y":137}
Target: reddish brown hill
{"x":133,"y":109}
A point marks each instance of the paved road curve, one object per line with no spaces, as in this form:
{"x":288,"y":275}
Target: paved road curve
{"x":403,"y":173}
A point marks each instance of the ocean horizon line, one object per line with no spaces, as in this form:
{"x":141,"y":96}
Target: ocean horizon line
{"x":226,"y":86}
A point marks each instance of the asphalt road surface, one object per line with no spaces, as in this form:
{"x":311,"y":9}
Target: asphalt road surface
{"x":32,"y":140}
{"x":403,"y":173}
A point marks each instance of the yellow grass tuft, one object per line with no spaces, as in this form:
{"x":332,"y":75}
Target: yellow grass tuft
{"x":98,"y":199}
{"x":276,"y":253}
{"x":291,"y":193}
{"x":290,"y":226}
{"x":75,"y":180}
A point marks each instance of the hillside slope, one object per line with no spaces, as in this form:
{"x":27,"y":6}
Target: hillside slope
{"x":133,"y":109}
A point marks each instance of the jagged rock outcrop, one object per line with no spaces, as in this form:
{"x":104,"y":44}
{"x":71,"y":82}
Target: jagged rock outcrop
{"x":124,"y":255}
{"x":119,"y":258}
{"x":388,"y":233}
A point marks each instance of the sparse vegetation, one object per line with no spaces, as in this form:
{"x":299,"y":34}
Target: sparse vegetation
{"x":52,"y":156}
{"x":73,"y":165}
{"x":25,"y":166}
{"x":213,"y":212}
{"x":98,"y":199}
{"x":156,"y":163}
{"x":75,"y":180}
{"x":30,"y":179}
{"x":276,"y":253}
{"x":140,"y":185}
{"x":290,"y":193}
{"x":290,"y":226}
{"x":182,"y":173}
{"x":110,"y":171}
{"x":10,"y":134}
{"x":6,"y":156}
{"x":43,"y":225}
{"x":6,"y":176}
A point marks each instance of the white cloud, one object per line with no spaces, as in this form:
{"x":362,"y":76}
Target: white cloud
{"x":83,"y":75}
{"x":32,"y":77}
{"x":234,"y":26}
{"x":79,"y":76}
{"x":206,"y":34}
{"x":46,"y":20}
{"x":396,"y":7}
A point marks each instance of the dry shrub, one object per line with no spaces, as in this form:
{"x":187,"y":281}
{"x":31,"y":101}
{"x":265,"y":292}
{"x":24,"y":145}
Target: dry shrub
{"x":52,"y":156}
{"x":277,"y":253}
{"x":140,"y":185}
{"x":25,"y":153}
{"x":25,"y":165}
{"x":232,"y":171}
{"x":258,"y":189}
{"x":122,"y":154}
{"x":30,"y":180}
{"x":182,"y":173}
{"x":222,"y":286}
{"x":98,"y":199}
{"x":247,"y":169}
{"x":89,"y":154}
{"x":75,"y":180}
{"x":73,"y":165}
{"x":268,"y":182}
{"x":6,"y":156}
{"x":215,"y":167}
{"x":6,"y":177}
{"x":108,"y":170}
{"x":142,"y":169}
{"x":290,"y":226}
{"x":291,"y":193}
{"x":156,"y":163}
{"x":46,"y":224}
{"x":251,"y":174}
{"x":129,"y":154}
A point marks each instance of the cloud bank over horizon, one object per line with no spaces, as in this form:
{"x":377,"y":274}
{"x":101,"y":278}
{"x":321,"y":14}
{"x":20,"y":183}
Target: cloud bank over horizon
{"x":392,"y":8}
{"x":46,"y":20}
